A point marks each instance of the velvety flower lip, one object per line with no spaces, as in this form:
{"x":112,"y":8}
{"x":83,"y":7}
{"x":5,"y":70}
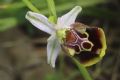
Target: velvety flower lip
{"x":95,"y":35}
{"x":57,"y":31}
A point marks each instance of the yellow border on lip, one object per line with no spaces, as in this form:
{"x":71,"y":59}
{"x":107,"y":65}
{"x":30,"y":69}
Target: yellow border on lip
{"x":103,"y":40}
{"x":100,"y":51}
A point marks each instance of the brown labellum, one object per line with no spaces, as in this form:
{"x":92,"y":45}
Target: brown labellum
{"x":85,"y":43}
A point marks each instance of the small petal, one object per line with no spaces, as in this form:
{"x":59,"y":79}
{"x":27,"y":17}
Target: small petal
{"x":53,"y":49}
{"x":40,"y":21}
{"x":69,"y":18}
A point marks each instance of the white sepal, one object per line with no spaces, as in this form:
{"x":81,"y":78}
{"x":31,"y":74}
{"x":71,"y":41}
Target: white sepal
{"x":40,"y":21}
{"x":69,"y":18}
{"x":53,"y":49}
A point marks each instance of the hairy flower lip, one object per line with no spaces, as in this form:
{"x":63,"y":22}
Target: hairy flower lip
{"x":97,"y":37}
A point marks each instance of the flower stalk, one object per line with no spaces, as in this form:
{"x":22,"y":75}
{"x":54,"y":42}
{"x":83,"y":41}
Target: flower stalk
{"x":82,"y":69}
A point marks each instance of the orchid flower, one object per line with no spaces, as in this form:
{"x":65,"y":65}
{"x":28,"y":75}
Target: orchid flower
{"x":64,"y":35}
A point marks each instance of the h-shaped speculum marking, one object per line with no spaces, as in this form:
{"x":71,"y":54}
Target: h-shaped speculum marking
{"x":79,"y":44}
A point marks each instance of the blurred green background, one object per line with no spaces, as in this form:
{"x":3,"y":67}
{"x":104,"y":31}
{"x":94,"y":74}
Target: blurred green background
{"x":23,"y":47}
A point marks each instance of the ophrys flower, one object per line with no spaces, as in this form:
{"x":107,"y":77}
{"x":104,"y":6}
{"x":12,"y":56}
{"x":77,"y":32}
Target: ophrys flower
{"x":63,"y":33}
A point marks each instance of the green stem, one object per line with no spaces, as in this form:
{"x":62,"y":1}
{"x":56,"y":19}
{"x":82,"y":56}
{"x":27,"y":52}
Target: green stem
{"x":52,"y":10}
{"x":31,"y":6}
{"x":82,"y":70}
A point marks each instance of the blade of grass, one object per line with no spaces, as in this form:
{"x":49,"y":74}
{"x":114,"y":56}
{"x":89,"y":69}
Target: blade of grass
{"x":31,"y":6}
